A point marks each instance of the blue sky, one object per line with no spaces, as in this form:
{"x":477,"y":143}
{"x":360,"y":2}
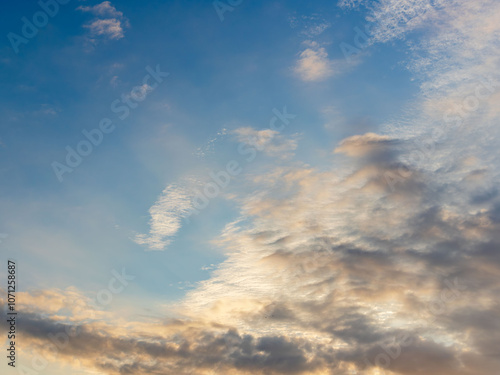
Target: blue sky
{"x":372,"y":150}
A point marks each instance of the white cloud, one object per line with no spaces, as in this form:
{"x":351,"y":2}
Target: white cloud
{"x":271,"y":142}
{"x":455,"y":57}
{"x":108,"y":22}
{"x":343,"y":260}
{"x":105,"y":9}
{"x":313,"y":64}
{"x":111,"y":28}
{"x":349,"y":4}
{"x":166,"y":216}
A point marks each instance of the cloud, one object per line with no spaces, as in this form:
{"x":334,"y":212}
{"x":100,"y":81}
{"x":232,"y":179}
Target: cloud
{"x":309,"y":26}
{"x":167,"y":214}
{"x":105,"y":9}
{"x":324,"y":273}
{"x":141,"y":92}
{"x":108,"y":22}
{"x":111,"y":28}
{"x":313,"y":64}
{"x":327,"y":270}
{"x":194,"y":349}
{"x":271,"y":142}
{"x":209,"y":147}
{"x":361,"y":145}
{"x":336,"y":261}
{"x":349,"y":4}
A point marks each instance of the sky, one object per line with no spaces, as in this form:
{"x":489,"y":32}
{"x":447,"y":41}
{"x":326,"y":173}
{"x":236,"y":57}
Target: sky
{"x":251,"y":187}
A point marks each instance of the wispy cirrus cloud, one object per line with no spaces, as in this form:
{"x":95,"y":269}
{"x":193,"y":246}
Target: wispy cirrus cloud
{"x":309,"y":26}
